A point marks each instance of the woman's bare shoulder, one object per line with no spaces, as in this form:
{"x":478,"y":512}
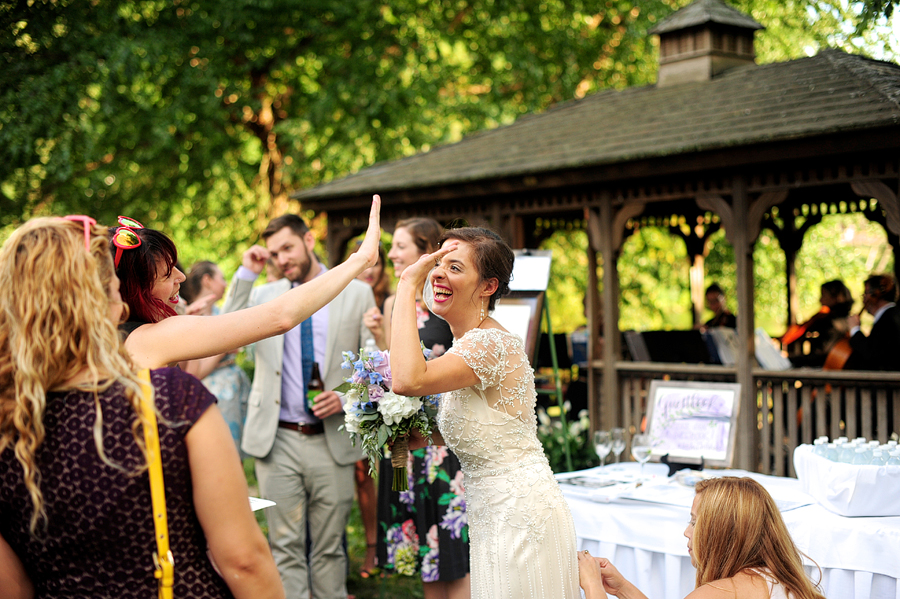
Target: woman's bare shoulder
{"x":743,"y":585}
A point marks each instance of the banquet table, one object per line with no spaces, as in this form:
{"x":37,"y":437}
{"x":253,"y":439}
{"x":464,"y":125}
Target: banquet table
{"x":641,"y":530}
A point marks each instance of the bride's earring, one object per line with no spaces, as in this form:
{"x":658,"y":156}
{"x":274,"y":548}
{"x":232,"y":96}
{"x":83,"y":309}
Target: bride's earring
{"x":483,"y":313}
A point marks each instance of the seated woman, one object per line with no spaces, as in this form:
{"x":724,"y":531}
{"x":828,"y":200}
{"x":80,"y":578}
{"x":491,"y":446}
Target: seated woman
{"x":75,"y":506}
{"x":156,"y":336}
{"x":738,"y":542}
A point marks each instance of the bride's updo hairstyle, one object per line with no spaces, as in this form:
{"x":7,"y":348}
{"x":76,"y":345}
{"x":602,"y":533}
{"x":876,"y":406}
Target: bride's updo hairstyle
{"x":739,"y":528}
{"x":493,"y":258}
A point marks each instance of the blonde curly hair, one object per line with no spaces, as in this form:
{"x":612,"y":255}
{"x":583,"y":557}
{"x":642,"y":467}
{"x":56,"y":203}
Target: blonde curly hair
{"x":55,"y":324}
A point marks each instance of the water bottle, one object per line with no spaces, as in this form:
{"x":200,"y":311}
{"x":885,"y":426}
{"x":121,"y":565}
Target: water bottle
{"x":820,"y":445}
{"x":894,"y":460}
{"x":860,"y":440}
{"x":860,"y":457}
{"x":831,"y":453}
{"x":371,"y":348}
{"x":848,"y":452}
{"x":878,"y":458}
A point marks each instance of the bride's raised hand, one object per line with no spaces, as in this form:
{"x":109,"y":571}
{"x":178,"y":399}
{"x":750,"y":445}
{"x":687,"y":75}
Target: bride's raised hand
{"x":368,"y":249}
{"x":416,"y":273}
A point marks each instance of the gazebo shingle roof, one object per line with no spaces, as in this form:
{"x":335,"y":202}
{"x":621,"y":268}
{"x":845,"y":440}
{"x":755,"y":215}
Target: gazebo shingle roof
{"x":828,"y":93}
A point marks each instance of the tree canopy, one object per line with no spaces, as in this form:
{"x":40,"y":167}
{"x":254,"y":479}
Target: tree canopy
{"x":204,"y":116}
{"x":201,"y":117}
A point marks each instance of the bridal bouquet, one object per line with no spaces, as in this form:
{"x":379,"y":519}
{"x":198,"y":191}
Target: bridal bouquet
{"x":374,"y":415}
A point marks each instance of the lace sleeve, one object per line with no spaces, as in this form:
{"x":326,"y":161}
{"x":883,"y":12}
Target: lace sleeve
{"x":483,"y":353}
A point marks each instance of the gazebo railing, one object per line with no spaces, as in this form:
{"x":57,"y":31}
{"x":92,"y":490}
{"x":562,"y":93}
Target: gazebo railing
{"x":793,"y":406}
{"x":797,"y":406}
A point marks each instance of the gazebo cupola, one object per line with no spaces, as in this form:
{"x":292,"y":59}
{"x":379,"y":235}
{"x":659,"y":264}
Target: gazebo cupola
{"x":702,"y":40}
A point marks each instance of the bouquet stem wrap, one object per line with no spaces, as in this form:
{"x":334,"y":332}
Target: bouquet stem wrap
{"x":399,"y":456}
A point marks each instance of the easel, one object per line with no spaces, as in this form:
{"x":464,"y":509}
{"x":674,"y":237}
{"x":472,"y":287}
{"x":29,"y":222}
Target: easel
{"x":557,"y":390}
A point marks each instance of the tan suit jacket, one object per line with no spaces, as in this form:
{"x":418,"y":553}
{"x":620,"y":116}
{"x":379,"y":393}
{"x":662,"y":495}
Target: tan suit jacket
{"x":346,"y":332}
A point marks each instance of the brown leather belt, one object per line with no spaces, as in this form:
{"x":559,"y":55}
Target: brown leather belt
{"x":306,"y":429}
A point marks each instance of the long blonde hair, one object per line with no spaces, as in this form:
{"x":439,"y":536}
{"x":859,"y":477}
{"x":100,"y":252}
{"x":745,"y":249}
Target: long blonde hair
{"x":54,"y":323}
{"x":738,"y":527}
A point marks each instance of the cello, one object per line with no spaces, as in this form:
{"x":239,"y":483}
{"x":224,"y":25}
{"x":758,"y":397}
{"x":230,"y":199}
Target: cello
{"x":840,"y":352}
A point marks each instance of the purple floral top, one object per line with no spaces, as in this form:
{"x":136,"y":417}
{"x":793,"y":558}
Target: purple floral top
{"x":98,"y":540}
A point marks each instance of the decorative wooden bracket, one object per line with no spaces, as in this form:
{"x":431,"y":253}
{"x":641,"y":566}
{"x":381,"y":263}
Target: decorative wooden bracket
{"x":716,"y":203}
{"x":874,"y":188}
{"x":625,"y":212}
{"x":759,"y":207}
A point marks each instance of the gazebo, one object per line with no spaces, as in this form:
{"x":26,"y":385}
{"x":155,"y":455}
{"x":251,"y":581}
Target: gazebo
{"x":719,"y":141}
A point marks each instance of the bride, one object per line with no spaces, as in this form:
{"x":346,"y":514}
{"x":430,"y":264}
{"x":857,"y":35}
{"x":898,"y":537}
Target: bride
{"x":522,"y":539}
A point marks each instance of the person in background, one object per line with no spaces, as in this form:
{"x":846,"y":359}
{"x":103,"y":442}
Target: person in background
{"x":304,"y":463}
{"x":826,"y":327}
{"x":432,"y":512}
{"x":155,"y":336}
{"x":220,"y":374}
{"x":715,"y":301}
{"x":738,"y":543}
{"x":377,"y":278}
{"x":75,"y":511}
{"x":880,"y":350}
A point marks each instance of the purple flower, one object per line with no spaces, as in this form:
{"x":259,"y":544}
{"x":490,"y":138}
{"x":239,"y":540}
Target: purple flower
{"x":430,"y":570}
{"x":455,"y":517}
{"x":383,"y":368}
{"x":376,"y":392}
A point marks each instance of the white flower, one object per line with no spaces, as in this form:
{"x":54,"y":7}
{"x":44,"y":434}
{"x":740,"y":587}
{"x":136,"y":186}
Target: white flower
{"x":395,"y":408}
{"x":351,"y":422}
{"x":542,"y":417}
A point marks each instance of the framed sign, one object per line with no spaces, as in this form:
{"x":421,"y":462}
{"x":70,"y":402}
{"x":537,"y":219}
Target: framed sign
{"x":690,"y":420}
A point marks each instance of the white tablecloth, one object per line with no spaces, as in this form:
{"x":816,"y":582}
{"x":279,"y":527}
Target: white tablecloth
{"x":859,"y":557}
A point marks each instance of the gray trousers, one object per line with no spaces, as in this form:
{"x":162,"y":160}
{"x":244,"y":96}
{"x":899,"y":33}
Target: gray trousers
{"x":303,"y":480}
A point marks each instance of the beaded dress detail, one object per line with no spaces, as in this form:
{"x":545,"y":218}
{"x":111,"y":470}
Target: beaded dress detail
{"x":521,"y":534}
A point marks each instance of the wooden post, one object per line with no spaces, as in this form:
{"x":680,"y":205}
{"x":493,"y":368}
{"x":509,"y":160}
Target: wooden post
{"x":609,"y":404}
{"x":747,"y":433}
{"x":594,"y":313}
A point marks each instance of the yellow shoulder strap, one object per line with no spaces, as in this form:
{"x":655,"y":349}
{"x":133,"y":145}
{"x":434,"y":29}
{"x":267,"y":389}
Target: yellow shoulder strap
{"x":162,"y":558}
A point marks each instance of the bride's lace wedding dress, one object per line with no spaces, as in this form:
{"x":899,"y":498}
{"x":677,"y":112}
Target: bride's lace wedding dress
{"x":522,"y":539}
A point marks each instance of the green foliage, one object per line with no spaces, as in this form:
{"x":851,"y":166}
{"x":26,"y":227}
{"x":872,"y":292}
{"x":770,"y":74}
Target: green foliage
{"x":568,"y":272}
{"x":653,"y":282}
{"x":554,"y":438}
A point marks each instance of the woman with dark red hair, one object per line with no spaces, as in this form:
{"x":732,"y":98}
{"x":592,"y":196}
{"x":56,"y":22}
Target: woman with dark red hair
{"x":156,"y":336}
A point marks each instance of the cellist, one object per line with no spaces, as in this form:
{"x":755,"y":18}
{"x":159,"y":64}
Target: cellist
{"x":825,"y":328}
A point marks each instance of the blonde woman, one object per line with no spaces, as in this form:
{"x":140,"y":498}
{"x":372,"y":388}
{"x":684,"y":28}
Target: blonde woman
{"x":738,"y":543}
{"x":75,"y":516}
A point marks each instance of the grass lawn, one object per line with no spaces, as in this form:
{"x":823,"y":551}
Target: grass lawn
{"x":399,"y":587}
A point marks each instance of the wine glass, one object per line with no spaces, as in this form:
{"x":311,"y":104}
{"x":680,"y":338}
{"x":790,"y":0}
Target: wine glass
{"x":640,"y":449}
{"x":618,"y":442}
{"x":602,"y":445}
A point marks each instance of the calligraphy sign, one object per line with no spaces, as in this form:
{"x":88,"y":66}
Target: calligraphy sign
{"x":693,"y":420}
